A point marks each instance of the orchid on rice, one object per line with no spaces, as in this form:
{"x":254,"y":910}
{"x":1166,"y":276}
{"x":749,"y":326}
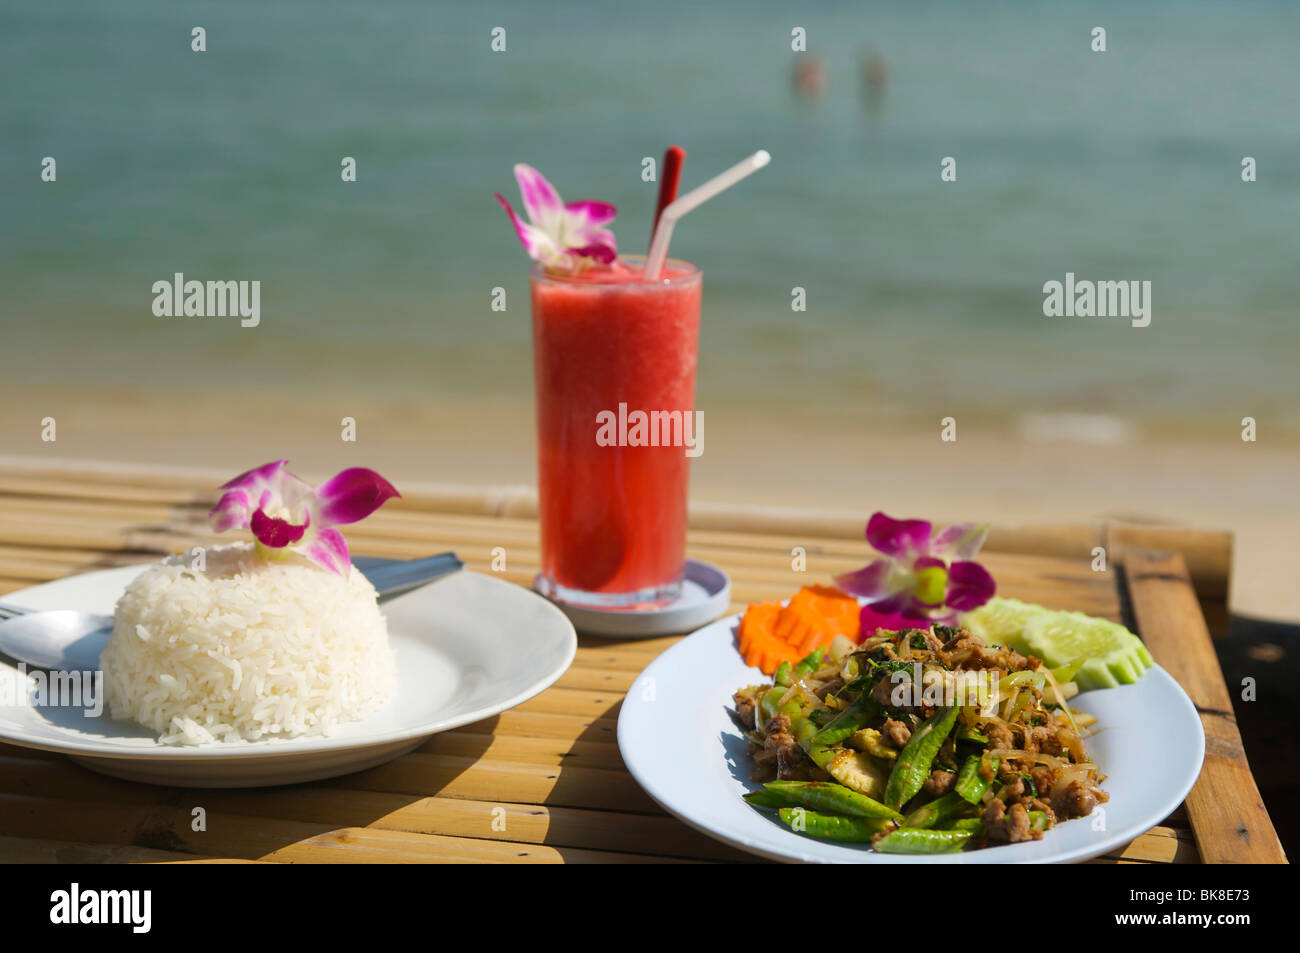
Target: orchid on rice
{"x":287,"y":513}
{"x":560,"y":236}
{"x":921,"y":578}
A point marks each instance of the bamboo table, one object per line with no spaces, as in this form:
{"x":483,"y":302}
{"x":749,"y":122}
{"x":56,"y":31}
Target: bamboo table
{"x":543,"y":782}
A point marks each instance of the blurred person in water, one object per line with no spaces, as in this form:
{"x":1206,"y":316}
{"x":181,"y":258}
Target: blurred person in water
{"x":873,"y":77}
{"x":809,"y":78}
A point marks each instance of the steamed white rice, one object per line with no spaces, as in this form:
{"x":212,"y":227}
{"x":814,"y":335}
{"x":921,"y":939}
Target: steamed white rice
{"x":246,"y":649}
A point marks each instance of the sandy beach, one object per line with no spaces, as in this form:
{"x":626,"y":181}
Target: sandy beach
{"x":842,"y":459}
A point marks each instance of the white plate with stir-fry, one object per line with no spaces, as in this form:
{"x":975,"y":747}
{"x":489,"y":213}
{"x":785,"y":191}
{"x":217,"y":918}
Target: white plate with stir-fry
{"x":927,"y":746}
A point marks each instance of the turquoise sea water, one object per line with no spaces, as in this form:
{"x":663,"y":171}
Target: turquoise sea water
{"x":922,"y":295}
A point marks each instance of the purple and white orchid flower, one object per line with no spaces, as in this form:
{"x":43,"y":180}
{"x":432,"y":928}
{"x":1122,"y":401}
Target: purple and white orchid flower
{"x":559,"y":235}
{"x":921,"y":577}
{"x":285,"y":512}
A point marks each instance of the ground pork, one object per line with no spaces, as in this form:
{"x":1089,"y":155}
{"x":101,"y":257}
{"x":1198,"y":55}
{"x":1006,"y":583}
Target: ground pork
{"x":1013,"y":790}
{"x":781,"y":745}
{"x":882,"y":692}
{"x":744,"y":709}
{"x":1000,"y":737}
{"x":1076,"y":799}
{"x":1008,"y":826}
{"x":965,"y":651}
{"x":939,"y":783}
{"x":1044,"y":778}
{"x":895,"y":733}
{"x":1044,"y":739}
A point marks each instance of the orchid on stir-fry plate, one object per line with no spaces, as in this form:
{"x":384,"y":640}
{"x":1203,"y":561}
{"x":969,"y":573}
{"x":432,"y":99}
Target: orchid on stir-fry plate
{"x":286,"y":513}
{"x":564,"y":237}
{"x":921,"y":577}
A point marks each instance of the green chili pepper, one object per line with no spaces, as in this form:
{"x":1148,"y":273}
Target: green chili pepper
{"x":831,"y":798}
{"x":970,"y":785}
{"x":819,"y":746}
{"x":970,"y":734}
{"x":808,"y":664}
{"x":806,"y":735}
{"x":853,"y":830}
{"x":819,"y":716}
{"x":913,"y":764}
{"x":767,"y":799}
{"x":846,"y":722}
{"x":910,"y":840}
{"x":803,"y":731}
{"x":816,"y":742}
{"x":936,"y":812}
{"x":767,"y":705}
{"x":820,"y":755}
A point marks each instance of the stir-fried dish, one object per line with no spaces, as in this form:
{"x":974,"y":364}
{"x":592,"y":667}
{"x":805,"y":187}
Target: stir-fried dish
{"x":920,"y":741}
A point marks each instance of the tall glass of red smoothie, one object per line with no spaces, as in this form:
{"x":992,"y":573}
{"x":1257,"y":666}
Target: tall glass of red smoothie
{"x":607,"y":344}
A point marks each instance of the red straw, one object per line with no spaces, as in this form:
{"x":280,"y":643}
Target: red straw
{"x":670,"y":176}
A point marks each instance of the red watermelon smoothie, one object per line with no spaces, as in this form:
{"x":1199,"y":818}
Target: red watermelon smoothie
{"x":613,"y":517}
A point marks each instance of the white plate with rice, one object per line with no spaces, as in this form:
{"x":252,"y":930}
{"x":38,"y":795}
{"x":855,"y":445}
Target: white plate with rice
{"x":459,"y":650}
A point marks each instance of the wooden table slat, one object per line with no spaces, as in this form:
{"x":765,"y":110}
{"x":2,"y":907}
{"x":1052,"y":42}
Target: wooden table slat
{"x":1225,"y":800}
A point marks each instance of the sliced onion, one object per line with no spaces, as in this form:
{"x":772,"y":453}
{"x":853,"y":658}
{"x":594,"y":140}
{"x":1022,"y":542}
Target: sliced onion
{"x":809,"y":694}
{"x":840,"y":648}
{"x":1061,"y":698}
{"x":1020,"y":754}
{"x":1074,"y":744}
{"x":1009,"y":708}
{"x":1075,"y":772}
{"x":993,"y":719}
{"x":1018,"y":679}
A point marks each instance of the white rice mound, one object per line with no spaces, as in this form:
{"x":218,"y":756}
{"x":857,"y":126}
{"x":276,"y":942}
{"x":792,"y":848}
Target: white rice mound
{"x":246,"y":649}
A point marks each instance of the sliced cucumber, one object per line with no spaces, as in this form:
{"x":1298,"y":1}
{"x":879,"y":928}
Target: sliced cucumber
{"x":1112,"y":654}
{"x":1001,"y":621}
{"x":1115,"y":656}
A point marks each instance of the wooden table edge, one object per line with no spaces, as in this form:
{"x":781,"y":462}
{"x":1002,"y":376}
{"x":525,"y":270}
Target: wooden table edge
{"x":1225,"y":808}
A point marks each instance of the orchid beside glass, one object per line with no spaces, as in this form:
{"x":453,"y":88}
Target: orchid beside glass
{"x":562,"y":236}
{"x":921,"y":578}
{"x":287,"y":514}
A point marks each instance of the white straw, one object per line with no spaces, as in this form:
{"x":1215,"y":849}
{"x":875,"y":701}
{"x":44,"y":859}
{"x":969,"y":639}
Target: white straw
{"x":696,"y":197}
